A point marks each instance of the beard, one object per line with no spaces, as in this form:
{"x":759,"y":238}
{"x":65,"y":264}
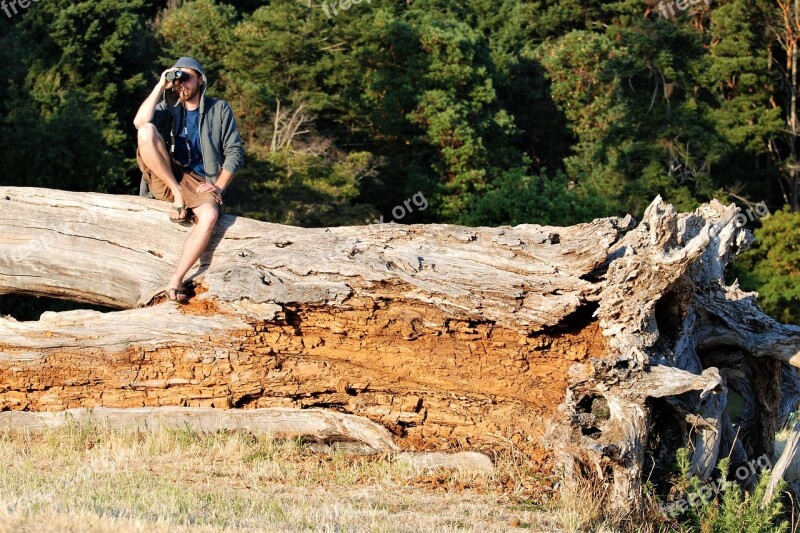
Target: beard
{"x":187,"y":95}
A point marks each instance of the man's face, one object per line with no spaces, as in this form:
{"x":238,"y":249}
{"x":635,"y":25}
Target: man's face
{"x":188,"y":87}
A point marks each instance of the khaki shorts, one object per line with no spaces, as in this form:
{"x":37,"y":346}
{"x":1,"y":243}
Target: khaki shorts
{"x":188,"y":181}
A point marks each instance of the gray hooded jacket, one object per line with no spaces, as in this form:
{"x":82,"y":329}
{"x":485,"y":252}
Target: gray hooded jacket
{"x":220,"y":143}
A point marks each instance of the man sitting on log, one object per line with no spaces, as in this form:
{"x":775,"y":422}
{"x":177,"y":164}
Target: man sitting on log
{"x":189,"y":149}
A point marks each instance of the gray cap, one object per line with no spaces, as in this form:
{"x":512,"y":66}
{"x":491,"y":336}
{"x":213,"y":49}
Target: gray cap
{"x":192,"y":63}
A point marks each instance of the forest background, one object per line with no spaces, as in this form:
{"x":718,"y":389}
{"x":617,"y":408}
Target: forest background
{"x":493,"y":111}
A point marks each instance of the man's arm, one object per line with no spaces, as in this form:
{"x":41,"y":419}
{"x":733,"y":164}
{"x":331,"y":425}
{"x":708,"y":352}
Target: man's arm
{"x":223,"y":180}
{"x":148,"y":107}
{"x":232,"y":152}
{"x":232,"y":147}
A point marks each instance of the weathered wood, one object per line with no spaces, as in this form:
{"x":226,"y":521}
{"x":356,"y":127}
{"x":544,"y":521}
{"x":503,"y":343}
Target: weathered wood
{"x":561,"y":341}
{"x":120,"y":251}
{"x":783,"y":464}
{"x":665,"y":303}
{"x":444,"y":334}
{"x":316,"y":425}
{"x":460,"y":461}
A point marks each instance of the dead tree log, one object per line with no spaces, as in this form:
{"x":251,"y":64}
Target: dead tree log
{"x":326,"y":426}
{"x":602,"y":347}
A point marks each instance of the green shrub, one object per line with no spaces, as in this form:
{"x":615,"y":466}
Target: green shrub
{"x":728,"y":509}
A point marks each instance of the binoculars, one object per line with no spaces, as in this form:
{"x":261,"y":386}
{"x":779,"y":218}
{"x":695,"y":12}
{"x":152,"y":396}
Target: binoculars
{"x":175,"y":75}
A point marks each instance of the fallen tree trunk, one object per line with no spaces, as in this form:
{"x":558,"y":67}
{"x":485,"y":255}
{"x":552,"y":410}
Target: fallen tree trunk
{"x":602,"y":347}
{"x":327,"y":427}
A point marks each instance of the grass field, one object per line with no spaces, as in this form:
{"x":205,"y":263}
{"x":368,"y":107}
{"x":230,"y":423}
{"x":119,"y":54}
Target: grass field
{"x":91,"y":479}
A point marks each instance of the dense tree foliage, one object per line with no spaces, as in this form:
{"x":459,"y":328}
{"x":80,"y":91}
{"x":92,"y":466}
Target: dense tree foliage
{"x":497,"y":111}
{"x":773,"y":265}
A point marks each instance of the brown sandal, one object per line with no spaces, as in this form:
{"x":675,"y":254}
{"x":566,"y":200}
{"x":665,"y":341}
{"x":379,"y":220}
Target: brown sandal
{"x":177,"y":295}
{"x":181,"y":218}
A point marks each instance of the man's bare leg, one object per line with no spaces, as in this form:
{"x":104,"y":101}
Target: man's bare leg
{"x":196,"y":243}
{"x":153,"y":151}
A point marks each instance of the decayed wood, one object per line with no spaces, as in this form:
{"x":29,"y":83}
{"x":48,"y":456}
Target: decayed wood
{"x":665,"y":304}
{"x":443,"y":334}
{"x":601,"y":347}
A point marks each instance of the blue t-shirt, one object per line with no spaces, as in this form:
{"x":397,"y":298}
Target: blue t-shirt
{"x":187,"y":145}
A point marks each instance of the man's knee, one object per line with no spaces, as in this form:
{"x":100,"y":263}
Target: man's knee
{"x":207,"y":216}
{"x":148,"y":135}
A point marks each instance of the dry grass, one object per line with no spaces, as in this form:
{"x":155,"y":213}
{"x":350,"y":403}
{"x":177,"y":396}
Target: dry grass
{"x":91,"y":479}
{"x":579,"y":508}
{"x":584,"y":506}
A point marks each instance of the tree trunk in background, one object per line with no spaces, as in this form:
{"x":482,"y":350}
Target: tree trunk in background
{"x":787,"y":34}
{"x":601,"y":347}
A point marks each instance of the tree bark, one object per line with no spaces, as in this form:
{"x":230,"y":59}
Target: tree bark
{"x":599,"y":348}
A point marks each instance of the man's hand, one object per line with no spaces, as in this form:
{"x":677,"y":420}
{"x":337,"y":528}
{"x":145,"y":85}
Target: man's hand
{"x":163,"y":81}
{"x":213,"y":189}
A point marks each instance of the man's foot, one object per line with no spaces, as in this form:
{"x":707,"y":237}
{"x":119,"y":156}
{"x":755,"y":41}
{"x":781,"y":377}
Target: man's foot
{"x":177,"y":295}
{"x":178,"y":213}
